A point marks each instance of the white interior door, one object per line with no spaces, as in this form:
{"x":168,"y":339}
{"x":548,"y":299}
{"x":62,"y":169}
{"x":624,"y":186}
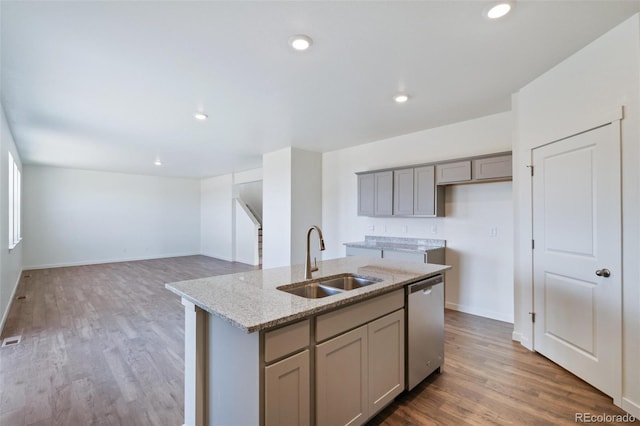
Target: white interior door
{"x":577,"y":255}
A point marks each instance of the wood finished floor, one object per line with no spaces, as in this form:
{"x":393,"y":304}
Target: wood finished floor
{"x":103,"y":345}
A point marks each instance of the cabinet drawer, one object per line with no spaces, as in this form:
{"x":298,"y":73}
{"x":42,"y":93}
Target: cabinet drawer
{"x":286,"y":340}
{"x":359,"y":251}
{"x":492,"y":167}
{"x":453,"y":172}
{"x":341,"y":320}
{"x":404,"y":255}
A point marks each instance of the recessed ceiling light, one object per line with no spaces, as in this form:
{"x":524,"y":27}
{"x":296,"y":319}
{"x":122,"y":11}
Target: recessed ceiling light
{"x":498,"y":10}
{"x":401,"y":98}
{"x":300,"y":42}
{"x":158,"y":163}
{"x":200,"y":116}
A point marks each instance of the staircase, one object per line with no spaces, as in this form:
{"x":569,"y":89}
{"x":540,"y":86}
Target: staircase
{"x":260,"y":247}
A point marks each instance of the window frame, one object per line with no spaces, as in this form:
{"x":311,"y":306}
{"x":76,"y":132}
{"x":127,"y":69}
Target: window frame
{"x":15,"y":202}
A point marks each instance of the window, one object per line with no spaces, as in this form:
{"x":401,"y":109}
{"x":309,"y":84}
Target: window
{"x":14,"y":203}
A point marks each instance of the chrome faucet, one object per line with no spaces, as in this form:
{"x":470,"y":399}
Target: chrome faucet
{"x":308,"y":269}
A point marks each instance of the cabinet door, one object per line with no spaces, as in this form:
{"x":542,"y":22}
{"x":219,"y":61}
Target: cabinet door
{"x":453,"y":172}
{"x":341,"y":379}
{"x":359,"y":251}
{"x":492,"y":168}
{"x":408,"y":256}
{"x":286,"y":391}
{"x":366,"y":194}
{"x":403,"y":192}
{"x":424,"y":196}
{"x":383,"y":194}
{"x":386,"y":360}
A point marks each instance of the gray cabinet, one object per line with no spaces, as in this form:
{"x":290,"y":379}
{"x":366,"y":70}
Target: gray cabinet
{"x":403,"y":192}
{"x":498,"y":167}
{"x":341,"y":379}
{"x":287,"y":382}
{"x":359,"y":372}
{"x":359,"y":251}
{"x":385,"y":360}
{"x":287,"y":391}
{"x":383,"y":195}
{"x":366,"y":194}
{"x":459,"y":171}
{"x":409,"y":256}
{"x":428,"y":199}
{"x":375,"y":194}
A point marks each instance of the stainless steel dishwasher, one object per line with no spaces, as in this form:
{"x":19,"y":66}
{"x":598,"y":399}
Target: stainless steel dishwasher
{"x":425,"y":328}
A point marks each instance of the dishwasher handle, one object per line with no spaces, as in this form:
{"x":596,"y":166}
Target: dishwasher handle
{"x":425,"y":284}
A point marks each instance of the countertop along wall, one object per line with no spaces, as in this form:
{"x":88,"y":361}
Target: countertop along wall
{"x":481,"y":281}
{"x":79,"y":217}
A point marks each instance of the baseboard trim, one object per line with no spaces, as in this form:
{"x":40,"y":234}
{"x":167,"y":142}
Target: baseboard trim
{"x":5,"y":314}
{"x":216,"y":256}
{"x":480,"y":312}
{"x":631,"y":407}
{"x":104,"y":261}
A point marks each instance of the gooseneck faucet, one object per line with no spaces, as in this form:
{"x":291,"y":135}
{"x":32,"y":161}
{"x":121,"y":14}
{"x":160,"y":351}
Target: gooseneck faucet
{"x":308,"y":269}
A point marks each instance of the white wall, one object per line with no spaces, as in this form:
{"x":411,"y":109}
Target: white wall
{"x":217,"y":223}
{"x":10,"y":260}
{"x":583,"y":88}
{"x":292,"y":202}
{"x":74,"y":217}
{"x":481,"y":280}
{"x":306,"y":203}
{"x":276,"y":208}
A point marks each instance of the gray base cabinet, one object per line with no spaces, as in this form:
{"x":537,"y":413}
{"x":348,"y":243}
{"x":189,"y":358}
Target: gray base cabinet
{"x":431,"y":256}
{"x":386,"y":360}
{"x":287,"y":391}
{"x":359,"y":251}
{"x":341,"y":379}
{"x":359,"y":372}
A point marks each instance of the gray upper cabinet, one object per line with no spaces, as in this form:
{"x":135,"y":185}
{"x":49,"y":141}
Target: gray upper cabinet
{"x":366,"y":194}
{"x":383,"y":199}
{"x":492,"y":168}
{"x":459,"y":171}
{"x":428,"y":199}
{"x":418,"y":191}
{"x":403,"y":192}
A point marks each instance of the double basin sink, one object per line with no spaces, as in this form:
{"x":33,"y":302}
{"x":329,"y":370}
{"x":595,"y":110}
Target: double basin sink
{"x":328,"y":286}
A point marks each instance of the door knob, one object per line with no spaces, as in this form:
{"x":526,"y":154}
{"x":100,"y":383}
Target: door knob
{"x":603,"y":273}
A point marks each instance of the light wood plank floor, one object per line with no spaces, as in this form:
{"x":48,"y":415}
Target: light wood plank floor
{"x":103,"y":345}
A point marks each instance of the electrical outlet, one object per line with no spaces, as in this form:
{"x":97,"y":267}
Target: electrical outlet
{"x":493,"y":231}
{"x":405,"y":228}
{"x":371,"y":228}
{"x":434,"y":229}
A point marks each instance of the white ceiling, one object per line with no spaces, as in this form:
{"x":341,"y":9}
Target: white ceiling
{"x":114,"y":85}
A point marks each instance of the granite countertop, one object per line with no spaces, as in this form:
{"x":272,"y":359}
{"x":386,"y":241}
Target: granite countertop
{"x":251,"y":301}
{"x":398,"y":244}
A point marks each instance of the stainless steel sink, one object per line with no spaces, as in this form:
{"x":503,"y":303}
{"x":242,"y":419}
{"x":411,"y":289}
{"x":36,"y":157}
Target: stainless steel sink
{"x":349,"y":282}
{"x":328,"y":286}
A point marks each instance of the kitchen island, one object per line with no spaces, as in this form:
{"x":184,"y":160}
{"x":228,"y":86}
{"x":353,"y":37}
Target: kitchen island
{"x":255,"y":354}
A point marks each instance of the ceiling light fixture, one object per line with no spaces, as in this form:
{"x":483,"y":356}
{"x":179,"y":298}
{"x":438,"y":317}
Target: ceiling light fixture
{"x":158,"y":163}
{"x":498,"y":10}
{"x":401,"y":98}
{"x":300,"y":42}
{"x":200,"y":116}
